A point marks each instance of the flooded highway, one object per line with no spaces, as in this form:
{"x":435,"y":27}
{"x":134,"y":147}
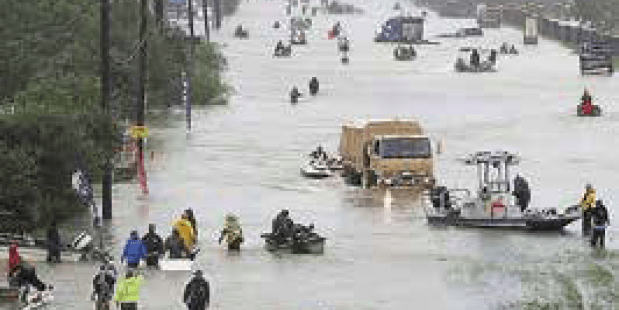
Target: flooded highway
{"x":244,"y":158}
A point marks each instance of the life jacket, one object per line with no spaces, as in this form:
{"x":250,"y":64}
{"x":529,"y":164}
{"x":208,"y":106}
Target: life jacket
{"x":232,"y":230}
{"x":588,"y":201}
{"x":185,"y":230}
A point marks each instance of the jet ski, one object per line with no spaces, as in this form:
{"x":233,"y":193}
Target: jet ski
{"x":316,"y":170}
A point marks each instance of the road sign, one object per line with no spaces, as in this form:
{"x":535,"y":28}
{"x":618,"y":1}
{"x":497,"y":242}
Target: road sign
{"x":139,"y":131}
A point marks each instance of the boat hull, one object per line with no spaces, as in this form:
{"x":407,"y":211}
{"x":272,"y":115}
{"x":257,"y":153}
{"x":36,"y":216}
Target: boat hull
{"x":314,"y":245}
{"x":539,"y":224}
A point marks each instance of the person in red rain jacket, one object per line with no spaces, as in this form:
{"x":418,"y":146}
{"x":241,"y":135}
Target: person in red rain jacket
{"x":586,"y":105}
{"x":14,"y":258}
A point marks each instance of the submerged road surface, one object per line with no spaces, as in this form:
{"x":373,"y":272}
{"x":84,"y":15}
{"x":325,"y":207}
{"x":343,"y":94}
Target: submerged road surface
{"x":244,"y":158}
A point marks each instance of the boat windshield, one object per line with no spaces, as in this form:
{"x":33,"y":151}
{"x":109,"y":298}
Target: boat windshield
{"x":405,"y":148}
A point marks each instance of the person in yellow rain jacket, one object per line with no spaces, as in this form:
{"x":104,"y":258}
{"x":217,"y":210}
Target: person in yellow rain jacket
{"x":587,"y":203}
{"x":185,"y":230}
{"x":128,"y":291}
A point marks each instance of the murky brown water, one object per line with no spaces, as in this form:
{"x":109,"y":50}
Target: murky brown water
{"x":244,"y":158}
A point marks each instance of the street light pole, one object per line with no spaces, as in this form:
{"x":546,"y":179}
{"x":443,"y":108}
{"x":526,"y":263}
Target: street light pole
{"x":190,"y":64}
{"x":105,"y":99}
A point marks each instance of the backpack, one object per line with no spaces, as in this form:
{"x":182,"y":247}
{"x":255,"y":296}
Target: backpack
{"x":199,"y":292}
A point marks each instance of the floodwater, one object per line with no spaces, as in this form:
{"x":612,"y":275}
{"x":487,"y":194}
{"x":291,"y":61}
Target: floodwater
{"x":244,"y":158}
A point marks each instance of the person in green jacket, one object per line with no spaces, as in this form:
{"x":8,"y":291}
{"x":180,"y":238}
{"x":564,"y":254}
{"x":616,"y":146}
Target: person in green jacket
{"x":128,"y":291}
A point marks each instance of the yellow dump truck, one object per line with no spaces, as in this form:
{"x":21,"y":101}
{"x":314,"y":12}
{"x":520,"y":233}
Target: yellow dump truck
{"x":387,"y":152}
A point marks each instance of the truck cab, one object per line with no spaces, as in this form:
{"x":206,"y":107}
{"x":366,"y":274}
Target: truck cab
{"x":400,"y":160}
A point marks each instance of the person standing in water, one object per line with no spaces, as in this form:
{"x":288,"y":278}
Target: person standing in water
{"x":599,"y":214}
{"x":154,"y":246}
{"x":134,"y":251}
{"x":128,"y":291}
{"x":197,"y":292}
{"x":53,"y":243}
{"x":587,"y":203}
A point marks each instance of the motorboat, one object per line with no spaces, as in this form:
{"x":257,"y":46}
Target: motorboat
{"x":595,"y":111}
{"x":309,"y":243}
{"x":404,"y":53}
{"x":493,"y":206}
{"x":316,"y":169}
{"x":484,"y":66}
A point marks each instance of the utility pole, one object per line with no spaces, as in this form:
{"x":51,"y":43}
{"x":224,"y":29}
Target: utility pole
{"x":142,"y":81}
{"x":217,"y":12}
{"x":190,"y":64}
{"x":105,"y":99}
{"x":207,"y":31}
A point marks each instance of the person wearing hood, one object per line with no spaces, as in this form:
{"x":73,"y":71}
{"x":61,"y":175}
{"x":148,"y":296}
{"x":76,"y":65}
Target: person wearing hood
{"x":587,"y":203}
{"x":154,"y":246}
{"x":134,"y":251}
{"x":197,"y":293}
{"x":14,"y":258}
{"x":600,"y":220}
{"x":128,"y":291}
{"x":53,"y":243}
{"x":232,"y":232}
{"x":586,"y":105}
{"x":103,"y":288}
{"x":174,"y":244}
{"x":522,"y":192}
{"x":186,"y":232}
{"x":492,"y":57}
{"x":192,"y":219}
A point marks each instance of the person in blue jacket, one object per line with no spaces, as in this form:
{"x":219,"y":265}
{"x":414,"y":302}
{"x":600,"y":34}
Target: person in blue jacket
{"x":135,"y":250}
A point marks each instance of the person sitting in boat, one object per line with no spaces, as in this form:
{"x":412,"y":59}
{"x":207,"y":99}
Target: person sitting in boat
{"x":600,"y":220}
{"x":301,"y":232}
{"x":492,"y":57}
{"x":314,"y":86}
{"x":294,"y":95}
{"x":282,"y":226}
{"x":174,"y":244}
{"x":521,"y":192}
{"x":586,"y":104}
{"x":239,"y":31}
{"x":504,"y":48}
{"x":475,"y":58}
{"x":319,"y":153}
{"x":587,"y":204}
{"x":513,"y":50}
{"x":232,"y":232}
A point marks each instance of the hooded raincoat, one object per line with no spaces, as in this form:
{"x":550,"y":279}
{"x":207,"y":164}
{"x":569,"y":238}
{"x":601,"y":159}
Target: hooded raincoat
{"x":232,"y":229}
{"x":128,"y":289}
{"x":185,"y":230}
